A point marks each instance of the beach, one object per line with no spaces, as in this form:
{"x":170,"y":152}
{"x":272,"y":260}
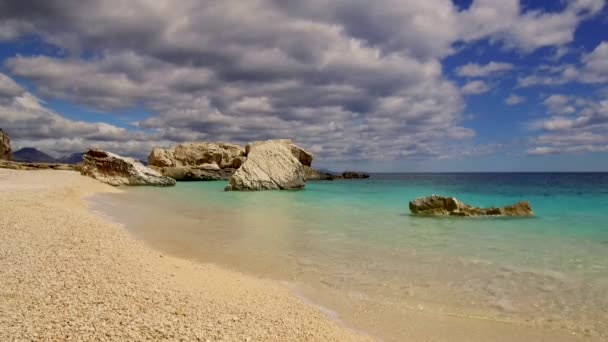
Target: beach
{"x":67,"y":274}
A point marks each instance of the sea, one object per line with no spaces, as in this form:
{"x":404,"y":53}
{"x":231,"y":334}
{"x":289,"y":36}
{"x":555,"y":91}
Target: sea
{"x":353,"y":247}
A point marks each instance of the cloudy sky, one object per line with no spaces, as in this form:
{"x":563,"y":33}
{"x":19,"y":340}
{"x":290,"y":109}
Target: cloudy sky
{"x":402,"y":85}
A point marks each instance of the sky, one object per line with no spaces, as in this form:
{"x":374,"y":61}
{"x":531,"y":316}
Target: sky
{"x":385,"y":85}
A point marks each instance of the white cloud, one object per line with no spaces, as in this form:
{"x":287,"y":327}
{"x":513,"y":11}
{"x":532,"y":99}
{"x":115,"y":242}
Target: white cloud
{"x":504,"y":20}
{"x":575,"y":126}
{"x":478,"y":70}
{"x":8,"y":88}
{"x":475,"y":87}
{"x":559,"y":104}
{"x":595,"y":65}
{"x":514,"y":99}
{"x":542,"y":150}
{"x":252,"y":105}
{"x":540,"y":80}
{"x":349,"y":78}
{"x":592,"y":69}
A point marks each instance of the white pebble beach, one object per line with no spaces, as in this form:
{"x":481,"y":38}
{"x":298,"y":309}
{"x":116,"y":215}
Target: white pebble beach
{"x":66,"y":274}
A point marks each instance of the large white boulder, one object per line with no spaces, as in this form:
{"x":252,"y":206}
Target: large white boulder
{"x":196,"y":154}
{"x":272,"y":165}
{"x":116,"y":170}
{"x":198,"y":161}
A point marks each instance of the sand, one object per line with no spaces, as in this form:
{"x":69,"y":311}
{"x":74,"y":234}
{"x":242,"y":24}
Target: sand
{"x":67,"y":274}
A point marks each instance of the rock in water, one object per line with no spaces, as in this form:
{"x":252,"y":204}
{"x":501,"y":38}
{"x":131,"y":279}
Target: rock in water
{"x":316,"y":175}
{"x":116,"y":170}
{"x":354,"y":175}
{"x":272,"y":165}
{"x":205,"y":172}
{"x":450,"y":206}
{"x":196,"y":154}
{"x":198,"y":161}
{"x":5,"y":146}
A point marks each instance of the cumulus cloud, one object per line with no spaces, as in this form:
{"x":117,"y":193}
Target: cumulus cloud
{"x":475,"y":87}
{"x":8,"y":88}
{"x":541,"y":80}
{"x":595,"y":65}
{"x":591,"y":69}
{"x":30,"y":123}
{"x":504,"y":20}
{"x":478,"y":70}
{"x":574,"y":126}
{"x":559,"y":104}
{"x":514,"y":99}
{"x":348,"y":79}
{"x":26,"y":119}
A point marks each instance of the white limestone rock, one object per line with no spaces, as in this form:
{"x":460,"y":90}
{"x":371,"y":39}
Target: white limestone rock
{"x":272,"y":165}
{"x":116,"y":170}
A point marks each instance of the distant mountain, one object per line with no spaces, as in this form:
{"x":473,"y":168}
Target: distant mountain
{"x":32,"y":155}
{"x":73,"y":158}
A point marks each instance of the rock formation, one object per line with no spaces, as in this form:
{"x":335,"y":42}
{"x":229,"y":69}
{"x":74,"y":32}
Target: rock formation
{"x":272,"y":165}
{"x":450,"y":206}
{"x":7,"y":164}
{"x":5,"y":146}
{"x":205,"y":172}
{"x":116,"y":170}
{"x":354,"y":175}
{"x":316,"y":175}
{"x":198,"y":161}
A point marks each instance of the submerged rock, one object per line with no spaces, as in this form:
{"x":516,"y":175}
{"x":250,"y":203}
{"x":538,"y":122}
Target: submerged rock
{"x":198,"y":161}
{"x":116,"y":170}
{"x":272,"y":165}
{"x":5,"y":146}
{"x":450,"y":206}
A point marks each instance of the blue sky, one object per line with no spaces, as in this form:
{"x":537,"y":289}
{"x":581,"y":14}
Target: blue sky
{"x":435,"y":85}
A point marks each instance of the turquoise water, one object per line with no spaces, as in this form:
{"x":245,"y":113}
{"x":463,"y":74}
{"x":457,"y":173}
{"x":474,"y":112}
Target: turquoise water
{"x":354,"y":247}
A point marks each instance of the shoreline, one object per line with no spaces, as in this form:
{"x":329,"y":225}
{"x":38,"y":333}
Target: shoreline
{"x":113,"y":285}
{"x":67,"y":273}
{"x":403,"y":321}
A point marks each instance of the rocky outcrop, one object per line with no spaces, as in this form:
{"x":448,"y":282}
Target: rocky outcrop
{"x":315,"y":175}
{"x":450,"y":206}
{"x":354,"y":175}
{"x":205,"y":172}
{"x":195,"y":154}
{"x":6,"y":164}
{"x":5,"y":146}
{"x":272,"y":165}
{"x":116,"y":170}
{"x":198,"y":161}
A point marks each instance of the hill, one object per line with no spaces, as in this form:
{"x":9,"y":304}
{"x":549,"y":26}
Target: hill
{"x":32,"y":155}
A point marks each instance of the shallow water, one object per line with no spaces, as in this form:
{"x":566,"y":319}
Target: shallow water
{"x":353,"y":246}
